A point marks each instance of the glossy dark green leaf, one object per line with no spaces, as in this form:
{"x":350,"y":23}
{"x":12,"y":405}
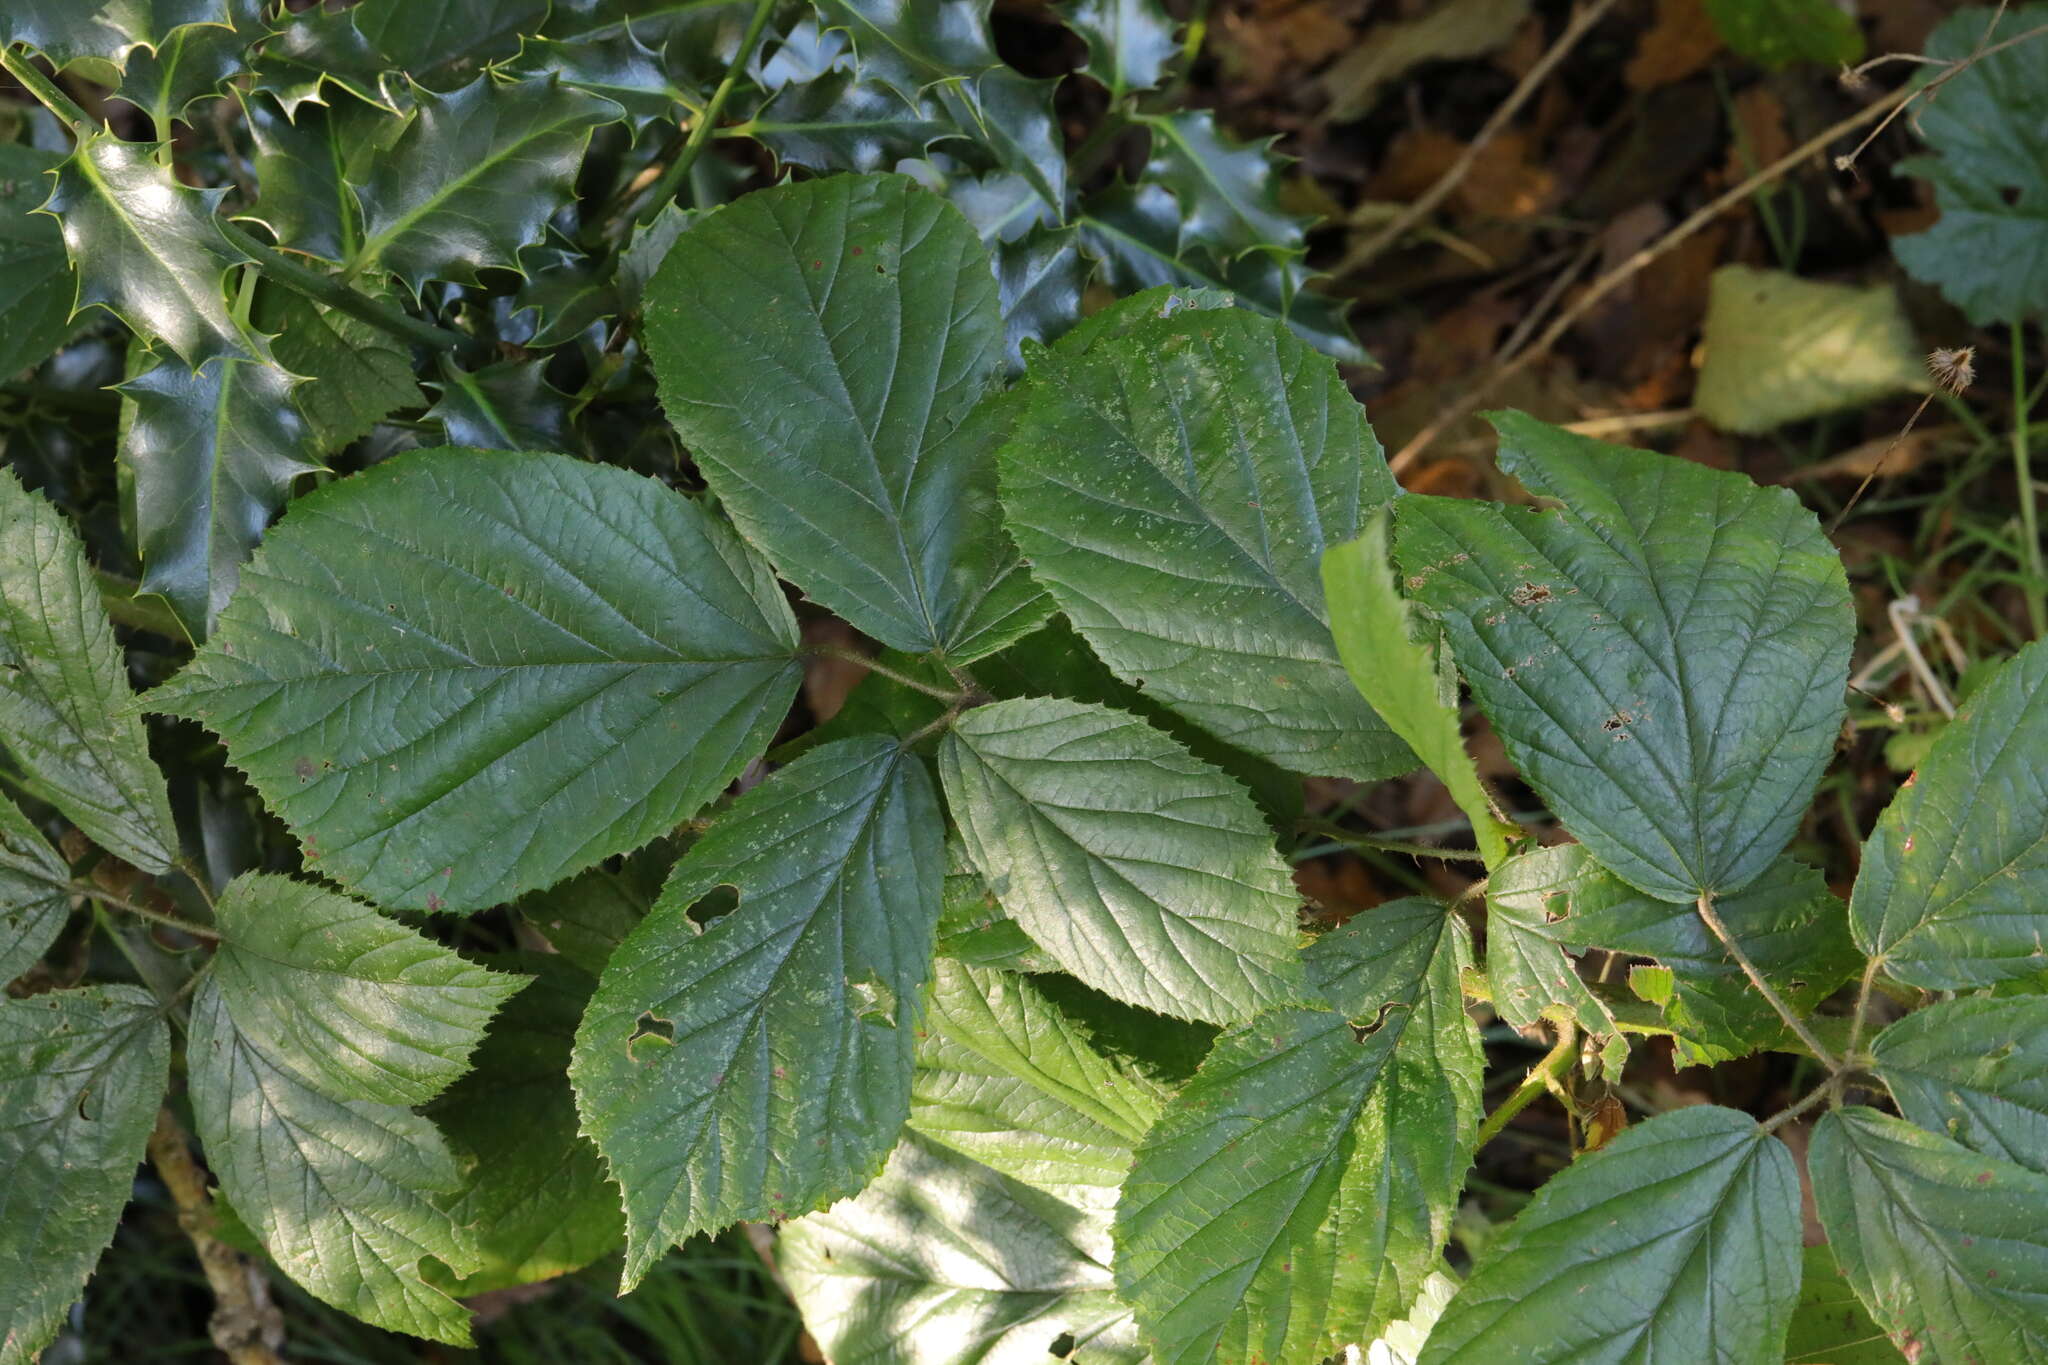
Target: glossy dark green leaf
{"x":81,"y":1075}
{"x":318,"y":51}
{"x":1677,"y":1242}
{"x":1295,"y":1195}
{"x":191,"y":64}
{"x":1953,"y":890}
{"x":459,"y":676}
{"x":1976,"y":1070}
{"x":67,"y":30}
{"x":1778,"y":33}
{"x":844,"y":330}
{"x":534,"y":1190}
{"x":343,"y":1193}
{"x":352,"y":374}
{"x":1145,"y":872}
{"x":148,"y":249}
{"x":1946,"y":1247}
{"x":64,"y":698}
{"x":307,"y":166}
{"x":358,"y":1004}
{"x":447,"y":40}
{"x":1664,"y":655}
{"x":943,"y":1261}
{"x":213,"y":455}
{"x":474,"y":177}
{"x":1228,"y":193}
{"x":841,"y":123}
{"x":1175,"y":486}
{"x":35,"y":893}
{"x":1041,"y":279}
{"x":622,"y":62}
{"x":646,"y":249}
{"x":36,"y":284}
{"x":566,"y":293}
{"x":762,"y":1067}
{"x":1830,"y":1325}
{"x":506,"y":406}
{"x":1129,"y":41}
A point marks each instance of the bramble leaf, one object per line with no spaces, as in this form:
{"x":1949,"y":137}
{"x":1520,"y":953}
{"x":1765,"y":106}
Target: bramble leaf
{"x":354,"y":374}
{"x":1677,"y":1242}
{"x":1531,"y":975}
{"x":35,"y":895}
{"x":64,"y":696}
{"x":1976,"y":1070}
{"x":36,"y":283}
{"x":1145,"y":872}
{"x":460,"y":675}
{"x":1663,"y":656}
{"x":762,"y":1067}
{"x":1830,"y":1325}
{"x":81,"y":1075}
{"x":1175,"y":486}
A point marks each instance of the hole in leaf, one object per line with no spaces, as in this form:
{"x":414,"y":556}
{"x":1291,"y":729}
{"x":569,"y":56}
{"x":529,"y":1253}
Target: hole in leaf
{"x":649,"y":1026}
{"x":1063,"y":1345}
{"x":1361,"y":1032}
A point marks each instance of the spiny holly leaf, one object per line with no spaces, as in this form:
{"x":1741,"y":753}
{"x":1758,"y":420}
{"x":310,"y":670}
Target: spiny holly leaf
{"x":148,"y":249}
{"x":36,"y":284}
{"x":474,"y":177}
{"x":308,"y":165}
{"x":617,"y":63}
{"x":1663,"y":656}
{"x":319,"y":50}
{"x":1677,"y":1242}
{"x":352,"y":375}
{"x":942,"y":1261}
{"x":534,"y":1190}
{"x":1041,"y":279}
{"x":1947,"y":1248}
{"x":1951,"y":892}
{"x":213,"y":454}
{"x":66,"y":31}
{"x":1129,"y":41}
{"x":358,"y":1004}
{"x":1296,"y":1194}
{"x":459,"y":676}
{"x":506,"y":406}
{"x":190,"y":64}
{"x":444,"y":42}
{"x":841,"y":123}
{"x":64,"y":697}
{"x":1988,"y":251}
{"x":35,"y":895}
{"x":761,"y":1067}
{"x":81,"y":1075}
{"x":1393,"y":659}
{"x":1175,"y":486}
{"x":883,"y":310}
{"x":1229,"y":201}
{"x":1147,"y":873}
{"x":1976,"y":1070}
{"x":343,"y":1193}
{"x":566,"y":293}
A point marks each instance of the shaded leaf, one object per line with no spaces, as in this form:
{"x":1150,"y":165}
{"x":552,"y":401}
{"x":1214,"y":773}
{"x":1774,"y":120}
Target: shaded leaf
{"x":1778,"y":33}
{"x":585,"y":918}
{"x":1830,"y":1326}
{"x":506,"y":406}
{"x":459,"y":676}
{"x":1976,"y":1070}
{"x":1040,"y":279}
{"x":1452,"y":31}
{"x":1228,"y":197}
{"x":353,"y":375}
{"x":35,"y":896}
{"x":840,"y":123}
{"x":36,"y":284}
{"x":307,"y":166}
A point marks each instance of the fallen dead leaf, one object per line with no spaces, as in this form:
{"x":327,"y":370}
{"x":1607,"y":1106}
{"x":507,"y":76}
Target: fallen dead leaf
{"x":1680,"y":42}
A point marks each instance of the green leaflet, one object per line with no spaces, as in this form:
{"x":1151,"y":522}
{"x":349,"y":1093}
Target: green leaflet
{"x":1976,"y":1070}
{"x":459,"y":676}
{"x":942,"y":1261}
{"x":972,"y":926}
{"x":473,"y":177}
{"x":844,"y":391}
{"x":586,"y":918}
{"x":342,"y":1192}
{"x":213,"y":454}
{"x":1951,"y":890}
{"x":1007,"y":1079}
{"x":64,"y":698}
{"x":1145,"y":872}
{"x":1531,"y":975}
{"x":1228,"y":195}
{"x":1989,"y":133}
{"x":762,"y":1067}
{"x":68,"y":30}
{"x":81,"y":1075}
{"x":35,"y":895}
{"x":1830,"y":1326}
{"x":1663,"y":656}
{"x":1398,"y":671}
{"x":1947,"y":1248}
{"x":148,"y":249}
{"x":1297,"y":1192}
{"x":353,"y":374}
{"x":1129,"y":41}
{"x":533,"y":1187}
{"x":1678,"y":1242}
{"x":36,"y":285}
{"x":1175,"y":486}
{"x":361,"y":1006}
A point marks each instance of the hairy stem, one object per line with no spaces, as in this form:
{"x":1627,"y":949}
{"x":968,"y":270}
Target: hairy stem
{"x":829,"y":651}
{"x":1541,"y":1077}
{"x":706,"y":122}
{"x":140,"y":911}
{"x":1794,"y":1110}
{"x":2030,"y":526}
{"x":246,"y":1325}
{"x":1712,"y":919}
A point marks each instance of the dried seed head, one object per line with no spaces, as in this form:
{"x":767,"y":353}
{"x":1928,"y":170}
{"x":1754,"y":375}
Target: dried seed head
{"x":1955,"y":370}
{"x":1854,"y":81}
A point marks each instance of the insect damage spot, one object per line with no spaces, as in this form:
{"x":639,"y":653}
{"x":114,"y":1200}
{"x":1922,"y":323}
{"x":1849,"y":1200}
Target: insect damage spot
{"x":1529,"y":594}
{"x":1618,"y":723}
{"x":649,"y":1029}
{"x":1361,"y":1032}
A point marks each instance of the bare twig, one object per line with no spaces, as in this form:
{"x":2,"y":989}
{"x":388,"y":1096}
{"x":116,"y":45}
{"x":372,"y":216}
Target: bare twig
{"x":1712,"y":919}
{"x":246,"y":1325}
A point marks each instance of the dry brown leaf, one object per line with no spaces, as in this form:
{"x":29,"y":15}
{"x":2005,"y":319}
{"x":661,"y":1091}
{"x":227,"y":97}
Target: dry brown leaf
{"x":1506,"y":182}
{"x":1679,"y":42}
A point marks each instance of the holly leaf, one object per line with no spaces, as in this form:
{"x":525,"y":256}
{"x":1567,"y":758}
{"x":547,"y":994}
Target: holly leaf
{"x":1145,"y":872}
{"x":81,"y":1075}
{"x":1976,"y":1070}
{"x":543,"y":663}
{"x":35,"y":893}
{"x":840,"y":123}
{"x":506,"y":406}
{"x":1297,"y":1192}
{"x":213,"y":454}
{"x":1704,"y":1268}
{"x":36,"y":284}
{"x":1040,"y":280}
{"x":1175,"y":486}
{"x":64,"y":698}
{"x":1129,"y":42}
{"x":1663,"y":655}
{"x":1946,"y":1247}
{"x":474,"y":177}
{"x":942,"y":1261}
{"x":191,"y":63}
{"x":1229,"y":201}
{"x":886,"y":313}
{"x":1951,"y":890}
{"x":308,"y":164}
{"x":147,"y":249}
{"x":352,"y":374}
{"x":67,"y":31}
{"x":762,"y":1067}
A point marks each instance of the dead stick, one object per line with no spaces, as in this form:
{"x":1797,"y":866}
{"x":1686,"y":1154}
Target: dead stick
{"x":245,"y":1324}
